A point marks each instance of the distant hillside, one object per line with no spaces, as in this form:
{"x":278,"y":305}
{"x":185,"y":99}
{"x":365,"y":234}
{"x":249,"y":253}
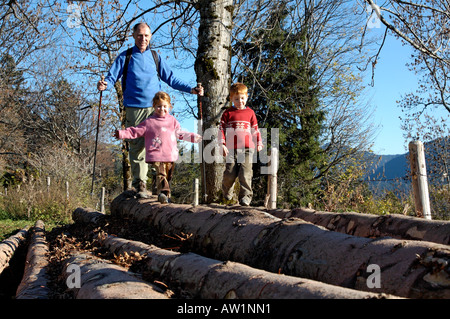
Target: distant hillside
{"x":389,"y":171}
{"x":390,"y":167}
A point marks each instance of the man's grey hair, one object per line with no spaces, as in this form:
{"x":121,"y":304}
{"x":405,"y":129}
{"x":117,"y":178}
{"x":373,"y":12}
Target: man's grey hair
{"x":137,"y":25}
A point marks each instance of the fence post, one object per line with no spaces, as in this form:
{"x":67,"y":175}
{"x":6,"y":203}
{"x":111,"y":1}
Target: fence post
{"x":272,"y":180}
{"x":48,"y":184}
{"x":419,"y":179}
{"x":102,"y":201}
{"x":195,"y":202}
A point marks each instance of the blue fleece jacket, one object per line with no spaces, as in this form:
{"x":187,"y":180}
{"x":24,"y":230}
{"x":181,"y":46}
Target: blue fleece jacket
{"x":142,"y":79}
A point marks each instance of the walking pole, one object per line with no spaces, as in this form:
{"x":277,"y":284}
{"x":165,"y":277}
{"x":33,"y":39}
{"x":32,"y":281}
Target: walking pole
{"x":199,"y":103}
{"x":96,"y":139}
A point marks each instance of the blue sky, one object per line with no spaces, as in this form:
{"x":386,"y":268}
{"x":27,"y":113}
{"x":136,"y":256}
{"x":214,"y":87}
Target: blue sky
{"x":392,"y":80}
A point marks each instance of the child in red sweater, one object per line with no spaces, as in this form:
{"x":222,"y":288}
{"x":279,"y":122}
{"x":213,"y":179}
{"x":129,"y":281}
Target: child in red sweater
{"x":239,"y":135}
{"x":160,"y":131}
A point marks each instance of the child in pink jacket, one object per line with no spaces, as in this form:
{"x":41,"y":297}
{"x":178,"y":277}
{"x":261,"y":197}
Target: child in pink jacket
{"x":160,"y":131}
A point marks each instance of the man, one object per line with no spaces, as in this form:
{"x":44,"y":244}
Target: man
{"x":141,"y":85}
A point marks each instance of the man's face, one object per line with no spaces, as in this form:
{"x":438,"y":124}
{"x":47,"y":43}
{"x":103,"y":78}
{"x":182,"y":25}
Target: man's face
{"x":142,"y":37}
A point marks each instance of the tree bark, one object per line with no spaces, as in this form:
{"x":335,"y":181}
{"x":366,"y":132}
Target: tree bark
{"x":9,"y":246}
{"x":212,"y":66}
{"x":367,"y":225}
{"x":34,"y":281}
{"x":294,"y":247}
{"x":88,"y":216}
{"x":126,"y":166}
{"x":100,"y":279}
{"x":205,"y":278}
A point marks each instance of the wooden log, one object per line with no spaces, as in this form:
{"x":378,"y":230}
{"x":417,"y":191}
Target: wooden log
{"x":101,"y":279}
{"x":10,"y":245}
{"x":205,"y":278}
{"x":367,"y":225}
{"x":34,"y":281}
{"x":94,"y":217}
{"x":295,"y":247}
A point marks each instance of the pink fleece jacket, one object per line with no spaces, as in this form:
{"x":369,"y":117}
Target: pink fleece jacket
{"x":160,"y":134}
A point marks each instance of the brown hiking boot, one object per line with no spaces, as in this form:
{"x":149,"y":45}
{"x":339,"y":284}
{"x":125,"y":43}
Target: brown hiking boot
{"x":142,"y":190}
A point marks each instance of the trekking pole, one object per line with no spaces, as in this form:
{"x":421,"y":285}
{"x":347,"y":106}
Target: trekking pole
{"x":199,"y":103}
{"x":96,"y":139}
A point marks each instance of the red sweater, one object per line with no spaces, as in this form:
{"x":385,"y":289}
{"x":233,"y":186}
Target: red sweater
{"x":239,"y":129}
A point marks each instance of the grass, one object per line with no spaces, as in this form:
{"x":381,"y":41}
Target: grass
{"x":22,"y":207}
{"x":8,"y":227}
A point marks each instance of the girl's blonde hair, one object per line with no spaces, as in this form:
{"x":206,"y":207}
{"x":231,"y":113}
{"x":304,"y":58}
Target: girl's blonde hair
{"x":161,"y":96}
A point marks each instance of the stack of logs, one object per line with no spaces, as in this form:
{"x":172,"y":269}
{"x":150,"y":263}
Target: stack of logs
{"x":249,"y":253}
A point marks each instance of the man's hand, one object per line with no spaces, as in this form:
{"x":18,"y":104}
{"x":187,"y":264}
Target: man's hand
{"x":101,"y":85}
{"x":198,"y":90}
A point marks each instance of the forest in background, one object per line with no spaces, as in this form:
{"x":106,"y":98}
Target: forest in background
{"x":303,"y":62}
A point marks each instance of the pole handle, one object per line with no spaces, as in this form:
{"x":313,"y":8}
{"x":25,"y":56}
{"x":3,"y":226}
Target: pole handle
{"x":199,"y":102}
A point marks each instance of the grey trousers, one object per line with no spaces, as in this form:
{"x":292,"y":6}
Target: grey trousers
{"x":139,"y":168}
{"x":239,"y":164}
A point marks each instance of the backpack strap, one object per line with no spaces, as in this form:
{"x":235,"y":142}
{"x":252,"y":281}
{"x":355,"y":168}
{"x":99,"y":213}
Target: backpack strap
{"x":156,"y":58}
{"x":127,"y":61}
{"x":125,"y":68}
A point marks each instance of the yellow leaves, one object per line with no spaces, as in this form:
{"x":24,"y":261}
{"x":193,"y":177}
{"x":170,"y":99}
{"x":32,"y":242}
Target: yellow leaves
{"x":126,"y":260}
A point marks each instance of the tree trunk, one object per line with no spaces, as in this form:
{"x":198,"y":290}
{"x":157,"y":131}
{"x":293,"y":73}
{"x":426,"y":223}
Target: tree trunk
{"x":294,"y":247}
{"x":34,"y":281}
{"x":212,"y":67}
{"x":100,"y":279}
{"x":126,"y":166}
{"x":88,"y":216}
{"x":204,"y":278}
{"x":9,"y":246}
{"x":367,"y":225}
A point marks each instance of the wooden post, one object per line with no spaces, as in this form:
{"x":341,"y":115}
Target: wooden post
{"x":272,"y":180}
{"x":419,"y":179}
{"x":48,"y":184}
{"x":67,"y":190}
{"x":195,"y":201}
{"x":102,"y":201}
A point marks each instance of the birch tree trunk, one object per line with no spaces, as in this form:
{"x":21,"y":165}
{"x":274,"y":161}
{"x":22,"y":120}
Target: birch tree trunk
{"x":413,"y":269}
{"x":212,"y":66}
{"x":10,"y":245}
{"x":205,"y":278}
{"x":367,"y":225}
{"x":100,"y":279}
{"x":34,"y":281}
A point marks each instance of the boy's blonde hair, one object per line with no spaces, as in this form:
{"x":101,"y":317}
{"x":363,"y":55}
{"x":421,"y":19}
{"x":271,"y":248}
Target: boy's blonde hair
{"x":238,"y":88}
{"x":161,"y":96}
